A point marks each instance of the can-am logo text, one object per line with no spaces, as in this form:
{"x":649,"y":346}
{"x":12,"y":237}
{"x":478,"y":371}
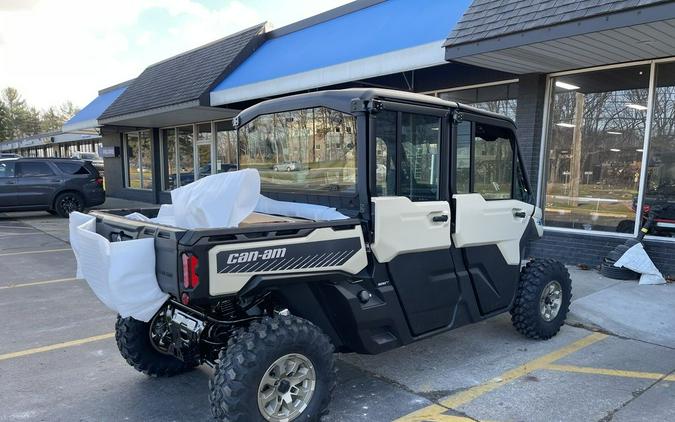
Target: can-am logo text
{"x":241,"y":257}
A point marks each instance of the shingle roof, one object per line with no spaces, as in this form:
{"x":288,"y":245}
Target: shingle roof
{"x":492,"y":18}
{"x":186,"y":77}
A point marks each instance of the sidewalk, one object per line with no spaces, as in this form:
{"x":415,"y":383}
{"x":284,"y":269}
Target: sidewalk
{"x":623,"y":308}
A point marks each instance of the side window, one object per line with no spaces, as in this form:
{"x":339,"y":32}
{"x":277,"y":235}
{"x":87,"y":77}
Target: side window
{"x":521,"y":191}
{"x":71,"y":168}
{"x":6,"y":169}
{"x":493,"y":162}
{"x":385,"y":153}
{"x":463,"y":157}
{"x":33,"y":169}
{"x":419,"y":156}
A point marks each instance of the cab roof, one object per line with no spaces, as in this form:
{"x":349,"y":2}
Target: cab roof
{"x":342,"y":99}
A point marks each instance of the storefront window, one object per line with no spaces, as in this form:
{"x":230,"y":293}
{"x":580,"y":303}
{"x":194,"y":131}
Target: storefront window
{"x":138,"y":154}
{"x":595,"y":138}
{"x":169,"y":148}
{"x":659,"y":194}
{"x":500,"y":99}
{"x":226,"y":147}
{"x":186,"y":164}
{"x":307,"y":149}
{"x":203,"y":150}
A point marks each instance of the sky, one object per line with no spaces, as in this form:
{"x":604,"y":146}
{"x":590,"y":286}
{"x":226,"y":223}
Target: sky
{"x":58,"y":50}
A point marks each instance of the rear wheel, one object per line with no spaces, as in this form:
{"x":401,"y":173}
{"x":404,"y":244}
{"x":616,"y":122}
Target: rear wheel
{"x":146,"y":350}
{"x":543,"y":299}
{"x":277,"y":369}
{"x":68,"y":202}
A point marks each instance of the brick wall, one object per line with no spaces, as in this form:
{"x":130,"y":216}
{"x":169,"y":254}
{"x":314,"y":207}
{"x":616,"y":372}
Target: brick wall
{"x":529,"y":119}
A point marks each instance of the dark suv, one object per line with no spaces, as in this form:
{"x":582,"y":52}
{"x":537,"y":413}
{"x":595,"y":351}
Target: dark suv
{"x":59,"y":186}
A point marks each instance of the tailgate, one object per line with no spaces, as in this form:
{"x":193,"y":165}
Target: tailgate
{"x":113,"y":226}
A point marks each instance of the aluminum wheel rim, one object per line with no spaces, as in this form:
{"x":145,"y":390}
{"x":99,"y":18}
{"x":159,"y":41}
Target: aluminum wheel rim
{"x":550,"y":301}
{"x":286,"y":388}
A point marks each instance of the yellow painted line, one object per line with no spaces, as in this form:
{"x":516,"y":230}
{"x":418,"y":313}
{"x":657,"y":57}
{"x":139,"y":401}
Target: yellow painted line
{"x":37,"y":283}
{"x":473,"y":393}
{"x":33,"y":252}
{"x":433,"y":413}
{"x":55,"y":346}
{"x":610,"y":372}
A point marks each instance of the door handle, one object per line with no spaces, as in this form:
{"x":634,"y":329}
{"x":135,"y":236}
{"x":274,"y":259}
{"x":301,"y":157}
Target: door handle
{"x":518,"y":213}
{"x":11,"y":182}
{"x":440,"y":218}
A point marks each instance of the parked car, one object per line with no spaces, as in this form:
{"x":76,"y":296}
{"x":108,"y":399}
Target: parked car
{"x":57,"y":185}
{"x":9,"y":155}
{"x":287,"y":166}
{"x":95,"y":159}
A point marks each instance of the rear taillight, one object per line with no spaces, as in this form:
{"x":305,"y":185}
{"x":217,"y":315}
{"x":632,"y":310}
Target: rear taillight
{"x":190,"y":277}
{"x":99,"y":181}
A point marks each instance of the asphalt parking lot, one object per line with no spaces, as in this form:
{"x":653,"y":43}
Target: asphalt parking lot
{"x":59,"y":362}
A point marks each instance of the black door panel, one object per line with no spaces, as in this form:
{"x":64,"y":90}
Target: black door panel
{"x":427,"y":286}
{"x":7,"y":184}
{"x":494,"y":281}
{"x":36,"y":183}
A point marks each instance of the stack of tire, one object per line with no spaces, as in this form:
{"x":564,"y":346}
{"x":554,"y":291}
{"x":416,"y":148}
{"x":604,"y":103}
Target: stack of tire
{"x":608,"y":269}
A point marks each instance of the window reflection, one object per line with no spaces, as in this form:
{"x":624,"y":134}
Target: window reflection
{"x":307,"y":149}
{"x":596,"y":133}
{"x":204,"y":149}
{"x":226,"y":147}
{"x":501,"y":99}
{"x":659,"y":196}
{"x":138,"y":153}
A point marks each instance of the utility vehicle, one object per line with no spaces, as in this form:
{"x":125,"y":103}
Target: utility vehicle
{"x":438,"y":211}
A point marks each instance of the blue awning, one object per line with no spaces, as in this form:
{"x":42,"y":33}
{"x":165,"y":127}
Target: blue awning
{"x":387,"y":37}
{"x":87,"y":117}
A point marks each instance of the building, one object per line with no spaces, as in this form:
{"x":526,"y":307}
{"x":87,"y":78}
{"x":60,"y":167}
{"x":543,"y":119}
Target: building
{"x":590,"y":84}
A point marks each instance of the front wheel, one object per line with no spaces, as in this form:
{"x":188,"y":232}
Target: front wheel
{"x":542,"y":300}
{"x":277,"y":369}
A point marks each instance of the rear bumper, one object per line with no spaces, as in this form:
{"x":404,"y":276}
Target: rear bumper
{"x":94,"y":198}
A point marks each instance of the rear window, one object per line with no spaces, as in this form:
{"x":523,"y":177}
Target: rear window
{"x":33,"y":169}
{"x":311,"y":149}
{"x":72,"y":168}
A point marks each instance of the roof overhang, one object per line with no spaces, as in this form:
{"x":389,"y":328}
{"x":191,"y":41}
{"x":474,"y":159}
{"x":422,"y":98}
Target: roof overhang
{"x":173,"y":115}
{"x":418,"y":57}
{"x":635,"y":34}
{"x":87,"y":117}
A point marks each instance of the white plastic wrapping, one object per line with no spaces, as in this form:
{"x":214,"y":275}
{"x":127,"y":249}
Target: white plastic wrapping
{"x":219,"y":200}
{"x":293,"y":209}
{"x":636,"y":259}
{"x":121,"y":274}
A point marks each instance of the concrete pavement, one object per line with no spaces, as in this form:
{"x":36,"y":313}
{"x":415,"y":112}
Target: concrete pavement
{"x":59,"y":362}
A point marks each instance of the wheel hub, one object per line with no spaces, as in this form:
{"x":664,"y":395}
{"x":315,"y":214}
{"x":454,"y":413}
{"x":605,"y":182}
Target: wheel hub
{"x":550,"y":301}
{"x":286,"y":388}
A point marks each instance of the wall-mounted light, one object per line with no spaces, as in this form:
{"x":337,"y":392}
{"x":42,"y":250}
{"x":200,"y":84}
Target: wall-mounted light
{"x":565,"y":85}
{"x":636,"y":106}
{"x":565,"y":124}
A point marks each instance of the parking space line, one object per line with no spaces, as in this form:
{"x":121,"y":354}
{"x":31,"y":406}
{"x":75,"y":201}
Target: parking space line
{"x":56,"y":346}
{"x":33,"y":252}
{"x":37,"y":283}
{"x":17,"y":227}
{"x":610,"y":372}
{"x":471,"y":394}
{"x":21,"y":234}
{"x":432,"y":413}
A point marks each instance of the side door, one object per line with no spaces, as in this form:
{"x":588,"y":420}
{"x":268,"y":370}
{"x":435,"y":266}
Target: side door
{"x":411,"y":212}
{"x":492,"y":209}
{"x":7,"y":184}
{"x":36,"y":183}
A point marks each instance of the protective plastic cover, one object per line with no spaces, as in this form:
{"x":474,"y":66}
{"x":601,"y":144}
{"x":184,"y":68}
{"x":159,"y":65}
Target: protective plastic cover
{"x":636,"y":259}
{"x":121,"y":274}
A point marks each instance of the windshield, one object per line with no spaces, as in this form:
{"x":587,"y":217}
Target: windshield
{"x":311,"y":149}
